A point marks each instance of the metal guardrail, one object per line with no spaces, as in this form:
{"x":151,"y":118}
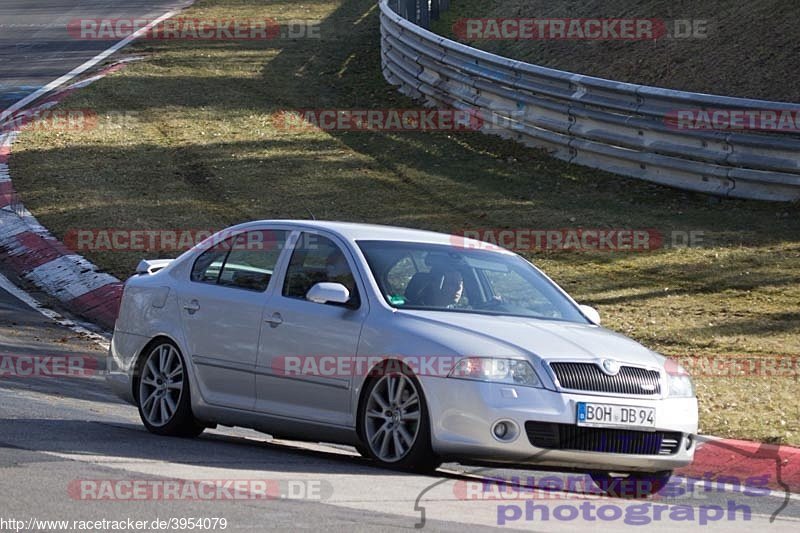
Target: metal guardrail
{"x":614,"y":126}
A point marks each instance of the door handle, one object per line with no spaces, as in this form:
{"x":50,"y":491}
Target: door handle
{"x":275,"y":320}
{"x":192,"y":307}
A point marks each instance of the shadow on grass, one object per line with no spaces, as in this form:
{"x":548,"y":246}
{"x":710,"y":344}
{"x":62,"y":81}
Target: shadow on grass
{"x":764,"y":325}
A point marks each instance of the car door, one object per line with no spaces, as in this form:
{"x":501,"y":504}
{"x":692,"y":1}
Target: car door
{"x":307,"y":349}
{"x":221,"y":306}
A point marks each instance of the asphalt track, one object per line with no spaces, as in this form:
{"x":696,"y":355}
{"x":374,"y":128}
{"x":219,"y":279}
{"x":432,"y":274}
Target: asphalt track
{"x":36,"y":48}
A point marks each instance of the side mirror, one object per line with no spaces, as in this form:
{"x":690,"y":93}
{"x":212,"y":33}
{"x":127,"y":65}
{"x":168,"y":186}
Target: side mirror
{"x":590,"y":313}
{"x":327,"y":292}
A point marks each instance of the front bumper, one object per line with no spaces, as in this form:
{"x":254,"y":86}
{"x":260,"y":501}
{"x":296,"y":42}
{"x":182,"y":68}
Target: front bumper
{"x":463,"y":413}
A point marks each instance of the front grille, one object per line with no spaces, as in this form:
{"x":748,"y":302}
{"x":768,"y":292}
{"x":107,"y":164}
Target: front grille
{"x":589,"y":377}
{"x":572,"y":437}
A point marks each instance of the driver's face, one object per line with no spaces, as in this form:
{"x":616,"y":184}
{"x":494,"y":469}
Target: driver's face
{"x":453,"y":286}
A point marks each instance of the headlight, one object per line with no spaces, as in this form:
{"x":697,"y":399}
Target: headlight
{"x":511,"y":371}
{"x":680,"y":383}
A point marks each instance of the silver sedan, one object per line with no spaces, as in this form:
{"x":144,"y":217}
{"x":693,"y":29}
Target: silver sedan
{"x":414,"y":347}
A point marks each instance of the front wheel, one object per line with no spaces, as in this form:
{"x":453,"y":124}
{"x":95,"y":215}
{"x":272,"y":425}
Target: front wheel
{"x":635,"y":485}
{"x":164,"y":398}
{"x":395,"y":425}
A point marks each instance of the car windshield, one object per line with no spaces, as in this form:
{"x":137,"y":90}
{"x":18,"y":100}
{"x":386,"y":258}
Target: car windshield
{"x":459,"y":279}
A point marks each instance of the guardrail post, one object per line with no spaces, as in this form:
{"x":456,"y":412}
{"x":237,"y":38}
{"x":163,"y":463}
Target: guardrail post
{"x":409,"y":10}
{"x":424,"y":14}
{"x":435,"y":9}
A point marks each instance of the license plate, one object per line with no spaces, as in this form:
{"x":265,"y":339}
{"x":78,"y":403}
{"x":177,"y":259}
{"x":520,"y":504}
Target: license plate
{"x":602,"y":415}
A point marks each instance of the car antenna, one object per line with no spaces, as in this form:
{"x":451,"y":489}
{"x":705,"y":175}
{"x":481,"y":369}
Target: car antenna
{"x":312,"y":214}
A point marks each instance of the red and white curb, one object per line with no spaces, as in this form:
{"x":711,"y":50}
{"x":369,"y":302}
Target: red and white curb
{"x":740,"y":460}
{"x":34,"y":254}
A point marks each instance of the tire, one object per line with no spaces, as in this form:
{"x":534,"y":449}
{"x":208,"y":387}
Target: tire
{"x":636,"y":485}
{"x":163,"y":394}
{"x":394,"y":424}
{"x":363,"y":450}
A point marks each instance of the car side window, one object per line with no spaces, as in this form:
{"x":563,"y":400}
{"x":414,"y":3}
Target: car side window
{"x":245,"y":261}
{"x":208,"y":265}
{"x":317,"y":259}
{"x":252,"y":259}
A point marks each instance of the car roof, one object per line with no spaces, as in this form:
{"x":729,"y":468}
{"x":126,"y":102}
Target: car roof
{"x":353,"y":231}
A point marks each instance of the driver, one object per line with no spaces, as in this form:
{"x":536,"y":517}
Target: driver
{"x":448,"y":289}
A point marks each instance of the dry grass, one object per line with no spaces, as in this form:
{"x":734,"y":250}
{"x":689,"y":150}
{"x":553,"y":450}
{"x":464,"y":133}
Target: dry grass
{"x":200,"y":149}
{"x":750,"y":49}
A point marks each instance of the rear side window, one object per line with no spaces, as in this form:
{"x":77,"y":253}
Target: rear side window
{"x":208,"y":265}
{"x":246,"y":261}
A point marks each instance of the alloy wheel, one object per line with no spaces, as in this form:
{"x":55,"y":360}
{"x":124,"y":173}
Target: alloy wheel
{"x":161,"y":385}
{"x":392,"y":417}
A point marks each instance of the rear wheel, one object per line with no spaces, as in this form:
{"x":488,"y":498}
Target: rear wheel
{"x":394,"y":424}
{"x":635,"y":485}
{"x":164,"y":398}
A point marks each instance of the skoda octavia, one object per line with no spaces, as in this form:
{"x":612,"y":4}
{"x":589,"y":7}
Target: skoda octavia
{"x":414,"y":347}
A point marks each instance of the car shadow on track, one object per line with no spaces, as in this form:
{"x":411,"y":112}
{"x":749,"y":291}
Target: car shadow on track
{"x":129,"y":441}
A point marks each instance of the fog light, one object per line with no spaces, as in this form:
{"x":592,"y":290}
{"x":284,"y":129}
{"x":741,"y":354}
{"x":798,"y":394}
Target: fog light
{"x":505,"y":431}
{"x":689,"y":442}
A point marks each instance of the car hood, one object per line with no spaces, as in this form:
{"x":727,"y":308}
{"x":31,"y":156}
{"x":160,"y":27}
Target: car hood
{"x":545,"y":339}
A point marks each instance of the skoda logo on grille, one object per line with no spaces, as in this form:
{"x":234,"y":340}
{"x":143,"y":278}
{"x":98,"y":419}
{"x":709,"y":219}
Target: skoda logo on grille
{"x":610,"y":367}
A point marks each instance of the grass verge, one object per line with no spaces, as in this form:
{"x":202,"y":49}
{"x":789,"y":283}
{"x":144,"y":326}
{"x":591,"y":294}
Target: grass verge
{"x":197,"y":147}
{"x":737,"y":49}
